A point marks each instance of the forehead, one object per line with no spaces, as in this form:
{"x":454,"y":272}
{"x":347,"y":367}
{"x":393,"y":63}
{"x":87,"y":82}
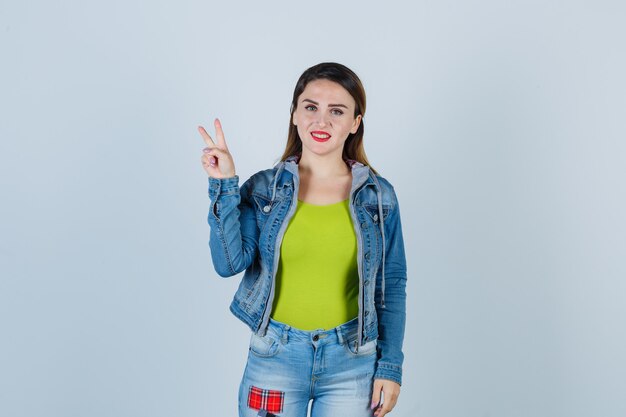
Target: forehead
{"x":327,"y":92}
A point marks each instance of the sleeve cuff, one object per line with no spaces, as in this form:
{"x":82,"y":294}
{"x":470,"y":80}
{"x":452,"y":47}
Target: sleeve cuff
{"x":221,"y":186}
{"x":388,"y":371}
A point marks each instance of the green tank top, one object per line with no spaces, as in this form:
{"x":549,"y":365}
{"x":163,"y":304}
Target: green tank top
{"x":317,"y":282}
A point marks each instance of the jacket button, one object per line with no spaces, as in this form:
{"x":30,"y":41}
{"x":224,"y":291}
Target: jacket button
{"x":375,"y":217}
{"x":367,"y":255}
{"x":367,"y":281}
{"x":366,"y":312}
{"x":363,"y":225}
{"x":266,"y":209}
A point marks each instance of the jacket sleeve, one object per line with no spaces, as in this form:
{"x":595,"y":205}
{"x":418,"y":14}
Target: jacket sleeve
{"x":392,"y":316}
{"x":234,"y":232}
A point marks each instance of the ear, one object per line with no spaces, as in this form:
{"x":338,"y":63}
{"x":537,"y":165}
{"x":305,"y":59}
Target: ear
{"x":355,"y":125}
{"x":293,"y":119}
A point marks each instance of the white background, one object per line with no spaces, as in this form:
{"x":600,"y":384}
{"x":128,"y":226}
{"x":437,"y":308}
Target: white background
{"x":501,"y":125}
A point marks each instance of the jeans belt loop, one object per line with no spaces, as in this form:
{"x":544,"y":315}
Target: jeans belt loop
{"x":340,"y":335}
{"x":285,"y":335}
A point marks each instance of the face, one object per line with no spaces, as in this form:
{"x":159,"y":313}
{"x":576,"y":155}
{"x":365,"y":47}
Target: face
{"x":324,"y":117}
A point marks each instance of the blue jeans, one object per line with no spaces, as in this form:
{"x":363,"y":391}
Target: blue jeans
{"x":289,"y":367}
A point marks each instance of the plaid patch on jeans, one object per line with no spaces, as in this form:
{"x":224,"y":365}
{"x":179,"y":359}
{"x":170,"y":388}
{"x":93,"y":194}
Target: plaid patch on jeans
{"x":265,"y":399}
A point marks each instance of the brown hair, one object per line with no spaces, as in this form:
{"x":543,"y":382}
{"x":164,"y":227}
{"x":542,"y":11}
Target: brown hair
{"x":344,"y":76}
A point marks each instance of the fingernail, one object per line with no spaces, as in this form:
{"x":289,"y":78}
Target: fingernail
{"x":206,"y":150}
{"x":373,"y":406}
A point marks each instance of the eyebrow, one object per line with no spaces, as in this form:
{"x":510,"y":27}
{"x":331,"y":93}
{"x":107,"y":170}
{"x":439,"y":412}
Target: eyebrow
{"x":330,"y":105}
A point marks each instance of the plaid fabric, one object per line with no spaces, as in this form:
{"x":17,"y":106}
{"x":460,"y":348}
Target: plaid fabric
{"x":265,"y":399}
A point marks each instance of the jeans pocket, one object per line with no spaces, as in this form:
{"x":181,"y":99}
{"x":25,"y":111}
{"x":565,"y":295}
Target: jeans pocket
{"x":367,"y":349}
{"x":264,"y":346}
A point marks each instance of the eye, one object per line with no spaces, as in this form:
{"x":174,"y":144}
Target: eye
{"x":310,"y":107}
{"x":336,"y":112}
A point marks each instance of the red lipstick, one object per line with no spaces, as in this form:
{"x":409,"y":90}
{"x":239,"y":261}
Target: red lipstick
{"x":320,"y":135}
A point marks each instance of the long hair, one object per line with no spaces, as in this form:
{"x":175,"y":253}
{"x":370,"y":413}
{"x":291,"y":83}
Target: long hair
{"x":344,"y":76}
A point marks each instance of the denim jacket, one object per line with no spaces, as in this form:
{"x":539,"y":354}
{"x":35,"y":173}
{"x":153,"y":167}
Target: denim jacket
{"x":248,"y":224}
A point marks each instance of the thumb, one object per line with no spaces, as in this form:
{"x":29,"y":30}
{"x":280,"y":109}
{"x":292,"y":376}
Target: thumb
{"x":378,"y":386}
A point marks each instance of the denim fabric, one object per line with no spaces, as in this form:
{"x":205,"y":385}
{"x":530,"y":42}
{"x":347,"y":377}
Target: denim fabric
{"x":318,"y":365}
{"x":247,"y":226}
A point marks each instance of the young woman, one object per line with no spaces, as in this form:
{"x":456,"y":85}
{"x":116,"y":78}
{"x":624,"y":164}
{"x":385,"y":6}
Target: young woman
{"x":320,"y":240}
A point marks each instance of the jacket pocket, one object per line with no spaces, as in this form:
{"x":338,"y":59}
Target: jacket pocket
{"x":263,"y":209}
{"x":372,"y":211}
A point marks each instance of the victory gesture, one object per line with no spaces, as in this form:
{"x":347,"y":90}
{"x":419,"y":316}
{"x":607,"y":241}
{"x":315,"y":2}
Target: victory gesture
{"x":216,"y":159}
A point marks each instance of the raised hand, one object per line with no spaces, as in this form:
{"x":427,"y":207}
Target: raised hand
{"x":216,"y":159}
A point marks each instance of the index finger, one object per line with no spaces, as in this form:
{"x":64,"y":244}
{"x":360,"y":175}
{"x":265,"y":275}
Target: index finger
{"x":205,"y":135}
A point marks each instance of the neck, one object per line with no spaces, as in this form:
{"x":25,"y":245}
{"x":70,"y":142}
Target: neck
{"x":322,"y":166}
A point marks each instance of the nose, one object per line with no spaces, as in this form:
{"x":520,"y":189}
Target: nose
{"x":321,"y":119}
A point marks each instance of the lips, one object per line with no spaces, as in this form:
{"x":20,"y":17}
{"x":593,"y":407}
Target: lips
{"x":320,"y":136}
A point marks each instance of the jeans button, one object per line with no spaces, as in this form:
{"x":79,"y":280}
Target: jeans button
{"x":316,"y":337}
